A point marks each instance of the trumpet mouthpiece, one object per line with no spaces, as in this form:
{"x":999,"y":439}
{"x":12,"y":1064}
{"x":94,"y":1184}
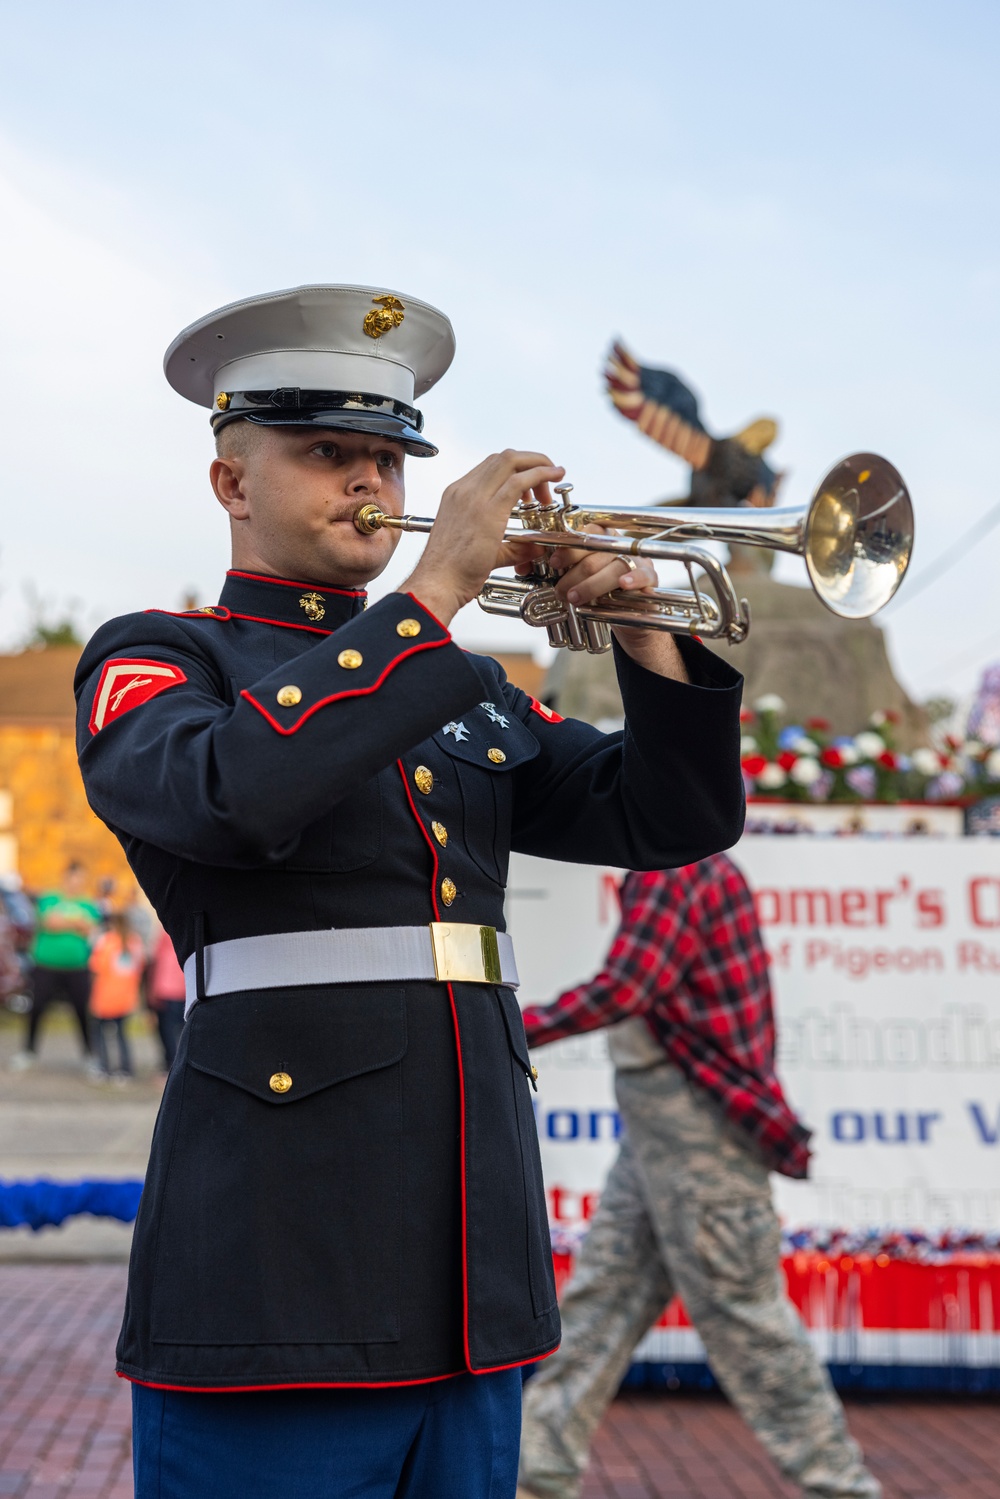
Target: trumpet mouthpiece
{"x":369,"y":519}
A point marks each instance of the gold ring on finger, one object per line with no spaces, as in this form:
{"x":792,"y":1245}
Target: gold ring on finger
{"x":630,"y":563}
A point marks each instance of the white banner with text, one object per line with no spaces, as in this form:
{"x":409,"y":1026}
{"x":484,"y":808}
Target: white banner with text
{"x":885,"y":961}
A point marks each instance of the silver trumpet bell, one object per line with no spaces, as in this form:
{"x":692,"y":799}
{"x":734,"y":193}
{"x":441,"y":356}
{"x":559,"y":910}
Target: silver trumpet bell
{"x":855,"y":536}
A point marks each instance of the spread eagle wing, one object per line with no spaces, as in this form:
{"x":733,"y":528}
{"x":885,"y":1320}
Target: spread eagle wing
{"x":662,"y":405}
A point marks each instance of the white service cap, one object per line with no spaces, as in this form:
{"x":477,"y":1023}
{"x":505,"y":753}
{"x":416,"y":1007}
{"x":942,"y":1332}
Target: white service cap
{"x":349,"y":357}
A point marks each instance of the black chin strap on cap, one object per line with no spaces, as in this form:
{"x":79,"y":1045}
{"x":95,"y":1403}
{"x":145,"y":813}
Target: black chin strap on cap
{"x":291,"y":398}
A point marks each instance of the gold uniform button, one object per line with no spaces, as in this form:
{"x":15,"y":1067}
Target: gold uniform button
{"x":448,"y":891}
{"x":289,"y":696}
{"x":440,"y":832}
{"x":534,"y":1074}
{"x":222,"y":400}
{"x":350,"y":659}
{"x":496,"y":755}
{"x":408,"y":627}
{"x":279,"y":1082}
{"x":424,"y":779}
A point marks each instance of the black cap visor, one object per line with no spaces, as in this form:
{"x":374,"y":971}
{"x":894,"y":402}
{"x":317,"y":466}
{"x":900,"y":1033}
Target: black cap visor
{"x":342,"y":411}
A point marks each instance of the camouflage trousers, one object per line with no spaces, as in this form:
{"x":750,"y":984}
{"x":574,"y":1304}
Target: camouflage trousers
{"x":686,"y":1209}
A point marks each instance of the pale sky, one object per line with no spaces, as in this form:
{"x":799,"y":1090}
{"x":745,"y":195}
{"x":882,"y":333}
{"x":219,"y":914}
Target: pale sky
{"x":793,"y":205}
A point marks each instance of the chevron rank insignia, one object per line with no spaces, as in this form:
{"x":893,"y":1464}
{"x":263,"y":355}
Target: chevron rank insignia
{"x":126,"y":684}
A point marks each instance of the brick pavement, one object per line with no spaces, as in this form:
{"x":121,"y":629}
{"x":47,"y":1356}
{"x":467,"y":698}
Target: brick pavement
{"x":64,"y":1417}
{"x":696,"y":1447}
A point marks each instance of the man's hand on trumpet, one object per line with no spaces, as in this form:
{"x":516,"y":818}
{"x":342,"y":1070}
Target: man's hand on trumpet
{"x":586,"y":576}
{"x":466,"y":544}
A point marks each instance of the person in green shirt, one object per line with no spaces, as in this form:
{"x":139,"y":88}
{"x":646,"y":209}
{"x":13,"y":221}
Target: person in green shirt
{"x":67,"y":924}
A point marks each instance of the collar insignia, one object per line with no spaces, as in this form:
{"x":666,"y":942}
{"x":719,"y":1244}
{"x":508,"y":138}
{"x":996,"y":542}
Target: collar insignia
{"x":458,"y":729}
{"x":313,"y":606}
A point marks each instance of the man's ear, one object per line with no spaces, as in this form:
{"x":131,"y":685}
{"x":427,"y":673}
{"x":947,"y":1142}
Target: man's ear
{"x":226,"y":475}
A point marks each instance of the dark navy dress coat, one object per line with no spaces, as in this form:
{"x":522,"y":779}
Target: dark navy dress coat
{"x":279,"y":764}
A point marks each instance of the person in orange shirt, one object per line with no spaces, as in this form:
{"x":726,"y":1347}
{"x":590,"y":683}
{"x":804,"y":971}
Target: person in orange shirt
{"x":117,"y":963}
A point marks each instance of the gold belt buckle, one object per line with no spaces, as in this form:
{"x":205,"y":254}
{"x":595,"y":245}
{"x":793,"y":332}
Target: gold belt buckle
{"x":465,"y":954}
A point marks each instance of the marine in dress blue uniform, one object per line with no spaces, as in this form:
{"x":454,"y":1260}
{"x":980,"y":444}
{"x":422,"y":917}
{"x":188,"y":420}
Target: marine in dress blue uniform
{"x":341,"y":1259}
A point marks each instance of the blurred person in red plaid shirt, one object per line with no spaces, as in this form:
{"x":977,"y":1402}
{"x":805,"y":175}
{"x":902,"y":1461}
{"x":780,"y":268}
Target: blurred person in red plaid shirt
{"x":687,"y":1206}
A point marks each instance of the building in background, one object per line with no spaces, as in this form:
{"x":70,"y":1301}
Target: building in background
{"x":44,"y":818}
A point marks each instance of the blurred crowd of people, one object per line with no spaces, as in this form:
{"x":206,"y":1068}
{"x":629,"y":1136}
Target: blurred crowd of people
{"x":107,"y":959}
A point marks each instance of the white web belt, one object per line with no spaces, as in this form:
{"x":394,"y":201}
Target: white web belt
{"x":443,"y":952}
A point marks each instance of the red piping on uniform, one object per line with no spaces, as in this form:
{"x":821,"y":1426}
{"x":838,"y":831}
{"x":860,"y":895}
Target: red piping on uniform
{"x":461,"y":1152}
{"x":497,"y":1369}
{"x":461,"y":1080}
{"x":344,"y":1384}
{"x":421,"y":605}
{"x":341,"y":1384}
{"x":518,"y":1364}
{"x":428,"y":645}
{"x":348,"y":593}
{"x":283,"y":624}
{"x":212,"y":611}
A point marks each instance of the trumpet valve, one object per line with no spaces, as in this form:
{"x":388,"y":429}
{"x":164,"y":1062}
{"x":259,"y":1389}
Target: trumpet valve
{"x":597,"y":635}
{"x":541,"y":605}
{"x":527,"y":512}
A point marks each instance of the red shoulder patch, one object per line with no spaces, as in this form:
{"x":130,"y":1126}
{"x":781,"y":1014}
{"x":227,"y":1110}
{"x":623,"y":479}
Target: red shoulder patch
{"x":549,"y":714}
{"x":125,"y":684}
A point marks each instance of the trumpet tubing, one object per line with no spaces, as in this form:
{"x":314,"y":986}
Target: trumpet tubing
{"x":855,"y":536}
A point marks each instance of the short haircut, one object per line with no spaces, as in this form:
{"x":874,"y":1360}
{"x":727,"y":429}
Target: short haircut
{"x":238,"y":439}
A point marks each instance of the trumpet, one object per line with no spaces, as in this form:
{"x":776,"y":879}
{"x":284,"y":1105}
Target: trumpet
{"x":855,"y":536}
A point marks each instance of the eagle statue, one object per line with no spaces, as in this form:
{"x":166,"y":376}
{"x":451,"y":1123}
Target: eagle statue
{"x":724,"y":470}
{"x":822,"y":666}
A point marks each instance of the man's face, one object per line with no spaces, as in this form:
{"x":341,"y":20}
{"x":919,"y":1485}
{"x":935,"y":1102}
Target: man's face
{"x":74,"y":881}
{"x":293,"y":495}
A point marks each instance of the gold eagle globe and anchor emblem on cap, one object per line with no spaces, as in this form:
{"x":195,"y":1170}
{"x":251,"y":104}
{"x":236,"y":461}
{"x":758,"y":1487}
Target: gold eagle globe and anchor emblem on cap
{"x":387,"y":314}
{"x":313,"y":606}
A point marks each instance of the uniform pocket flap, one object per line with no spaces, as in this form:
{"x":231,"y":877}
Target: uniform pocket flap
{"x":480,"y":738}
{"x":285,"y":1044}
